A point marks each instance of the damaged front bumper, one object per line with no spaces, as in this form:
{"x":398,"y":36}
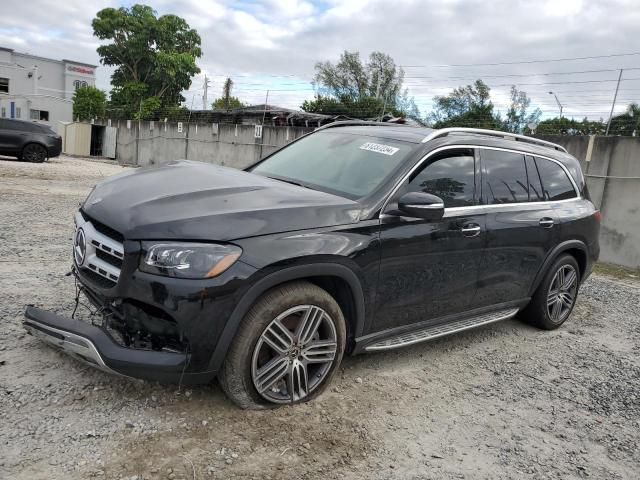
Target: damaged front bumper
{"x":95,"y":346}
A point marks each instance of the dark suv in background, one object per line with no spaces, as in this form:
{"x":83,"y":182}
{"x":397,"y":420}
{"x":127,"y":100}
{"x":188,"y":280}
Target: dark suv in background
{"x":28,"y":141}
{"x":356,"y":238}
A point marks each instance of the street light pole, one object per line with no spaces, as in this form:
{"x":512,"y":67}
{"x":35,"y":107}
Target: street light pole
{"x":558,"y":102}
{"x":613,"y":104}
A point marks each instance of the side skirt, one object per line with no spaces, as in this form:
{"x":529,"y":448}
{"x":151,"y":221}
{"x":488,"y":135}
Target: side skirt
{"x":409,"y":335}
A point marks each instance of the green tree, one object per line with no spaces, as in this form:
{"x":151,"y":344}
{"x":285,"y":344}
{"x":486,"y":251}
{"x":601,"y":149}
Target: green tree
{"x":569,"y":126}
{"x":227,"y":101}
{"x":468,"y":106}
{"x":155,"y":58}
{"x":627,"y":123}
{"x":88,"y":103}
{"x":518,"y":115}
{"x":361,"y":90}
{"x":363,"y":108}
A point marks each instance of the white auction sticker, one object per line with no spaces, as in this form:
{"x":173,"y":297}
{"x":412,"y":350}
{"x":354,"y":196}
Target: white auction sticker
{"x":379,"y":148}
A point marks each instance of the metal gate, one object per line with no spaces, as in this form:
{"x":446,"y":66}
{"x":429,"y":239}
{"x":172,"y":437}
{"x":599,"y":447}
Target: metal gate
{"x":109,"y":142}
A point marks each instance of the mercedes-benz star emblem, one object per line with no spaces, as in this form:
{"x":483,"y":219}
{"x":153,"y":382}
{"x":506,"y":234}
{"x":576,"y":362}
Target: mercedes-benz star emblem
{"x":79,"y":247}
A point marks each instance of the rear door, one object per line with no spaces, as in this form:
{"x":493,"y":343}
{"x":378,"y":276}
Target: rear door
{"x":521,"y":226}
{"x":429,"y":269}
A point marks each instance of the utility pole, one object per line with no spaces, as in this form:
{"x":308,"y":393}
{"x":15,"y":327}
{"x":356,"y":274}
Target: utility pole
{"x":205,"y":99}
{"x":613,"y":105}
{"x":264,"y":113}
{"x":558,"y":102}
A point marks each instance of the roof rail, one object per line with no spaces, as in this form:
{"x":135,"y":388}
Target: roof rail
{"x":494,"y":133}
{"x":356,"y":123}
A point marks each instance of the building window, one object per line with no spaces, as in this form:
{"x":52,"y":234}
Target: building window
{"x":3,"y":112}
{"x":78,"y":84}
{"x":42,"y":115}
{"x":4,"y":85}
{"x":18,"y":112}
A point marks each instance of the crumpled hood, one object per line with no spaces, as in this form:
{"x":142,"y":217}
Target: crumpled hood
{"x":187,"y":200}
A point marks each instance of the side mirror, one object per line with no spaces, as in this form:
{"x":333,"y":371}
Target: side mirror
{"x":421,"y":205}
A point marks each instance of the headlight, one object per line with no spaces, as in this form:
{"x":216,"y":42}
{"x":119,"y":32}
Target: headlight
{"x":188,"y":260}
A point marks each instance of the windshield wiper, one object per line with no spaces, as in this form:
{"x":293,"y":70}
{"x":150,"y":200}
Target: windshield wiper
{"x":292,"y":182}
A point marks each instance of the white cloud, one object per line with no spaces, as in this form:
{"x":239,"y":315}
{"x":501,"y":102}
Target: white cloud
{"x":274,"y":44}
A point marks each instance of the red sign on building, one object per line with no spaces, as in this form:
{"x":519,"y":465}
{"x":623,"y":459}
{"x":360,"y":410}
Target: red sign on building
{"x":86,"y":71}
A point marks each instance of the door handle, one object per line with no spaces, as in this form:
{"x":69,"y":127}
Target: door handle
{"x":471,"y":230}
{"x":546,"y":222}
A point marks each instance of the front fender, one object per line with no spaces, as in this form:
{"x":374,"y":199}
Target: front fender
{"x":279,"y":277}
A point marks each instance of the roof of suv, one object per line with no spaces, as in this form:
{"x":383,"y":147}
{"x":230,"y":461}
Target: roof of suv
{"x":29,"y":126}
{"x":393,"y":131}
{"x":455,"y":135}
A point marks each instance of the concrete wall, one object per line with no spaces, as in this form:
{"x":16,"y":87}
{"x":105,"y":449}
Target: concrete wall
{"x":152,"y":143}
{"x":613,"y":177}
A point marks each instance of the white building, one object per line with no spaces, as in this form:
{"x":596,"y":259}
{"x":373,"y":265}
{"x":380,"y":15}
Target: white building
{"x":38,"y":88}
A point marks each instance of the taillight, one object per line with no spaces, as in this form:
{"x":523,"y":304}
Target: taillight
{"x":598,"y":216}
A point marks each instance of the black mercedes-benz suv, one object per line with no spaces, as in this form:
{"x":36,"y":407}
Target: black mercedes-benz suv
{"x":30,"y":141}
{"x":356,"y":238}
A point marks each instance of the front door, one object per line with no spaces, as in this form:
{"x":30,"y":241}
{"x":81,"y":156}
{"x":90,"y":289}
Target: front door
{"x":429,"y":269}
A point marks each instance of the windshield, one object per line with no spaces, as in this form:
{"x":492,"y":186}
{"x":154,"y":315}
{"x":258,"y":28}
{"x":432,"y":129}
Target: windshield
{"x":345,"y":163}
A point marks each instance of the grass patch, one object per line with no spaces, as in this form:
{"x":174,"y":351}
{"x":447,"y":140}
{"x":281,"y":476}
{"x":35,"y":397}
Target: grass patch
{"x":616,"y":271}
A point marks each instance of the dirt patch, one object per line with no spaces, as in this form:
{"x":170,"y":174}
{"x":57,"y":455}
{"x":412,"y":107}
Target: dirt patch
{"x":504,"y":401}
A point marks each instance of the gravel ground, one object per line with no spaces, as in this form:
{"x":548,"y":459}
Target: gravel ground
{"x":504,"y":401}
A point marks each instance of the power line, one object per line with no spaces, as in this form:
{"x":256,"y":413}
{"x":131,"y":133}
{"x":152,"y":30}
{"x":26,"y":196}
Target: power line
{"x":527,"y":74}
{"x":521,"y":62}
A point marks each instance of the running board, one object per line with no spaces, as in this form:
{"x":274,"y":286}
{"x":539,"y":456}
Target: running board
{"x":440,"y":330}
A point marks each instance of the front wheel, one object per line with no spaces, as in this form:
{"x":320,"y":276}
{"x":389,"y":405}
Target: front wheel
{"x":553,"y":301}
{"x":288,"y":347}
{"x":34,"y":153}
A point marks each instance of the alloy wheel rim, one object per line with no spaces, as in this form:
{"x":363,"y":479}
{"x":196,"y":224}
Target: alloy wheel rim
{"x":562,"y":293}
{"x":33,"y":153}
{"x":294,"y":354}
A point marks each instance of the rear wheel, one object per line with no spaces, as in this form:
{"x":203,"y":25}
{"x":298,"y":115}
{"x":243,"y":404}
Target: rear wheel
{"x":556,"y":296}
{"x":33,"y":152}
{"x":287,"y":349}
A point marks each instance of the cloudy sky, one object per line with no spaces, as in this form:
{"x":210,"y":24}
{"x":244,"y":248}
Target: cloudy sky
{"x":274,"y":44}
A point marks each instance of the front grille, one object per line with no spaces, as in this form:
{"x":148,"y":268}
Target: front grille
{"x":109,"y":258}
{"x":98,"y":279}
{"x":103,"y":251}
{"x":108,"y":231}
{"x":102,"y":228}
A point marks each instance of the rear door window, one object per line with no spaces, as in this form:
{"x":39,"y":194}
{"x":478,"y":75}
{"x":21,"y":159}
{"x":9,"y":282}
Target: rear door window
{"x":504,"y":177}
{"x":536,"y":192}
{"x":555,"y":181}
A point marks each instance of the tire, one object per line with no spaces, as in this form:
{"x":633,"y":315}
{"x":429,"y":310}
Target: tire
{"x":550,"y":307}
{"x":33,"y":152}
{"x":263,"y":355}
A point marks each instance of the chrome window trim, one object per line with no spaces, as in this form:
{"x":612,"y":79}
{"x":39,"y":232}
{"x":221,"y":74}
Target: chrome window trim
{"x":420,"y":162}
{"x":433,"y":206}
